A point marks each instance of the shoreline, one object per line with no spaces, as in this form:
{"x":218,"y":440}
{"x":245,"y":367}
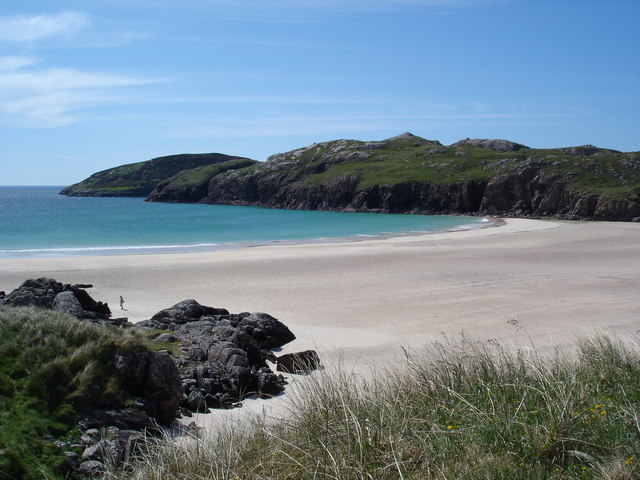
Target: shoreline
{"x":261,"y":278}
{"x":528,"y":282}
{"x":67,"y":252}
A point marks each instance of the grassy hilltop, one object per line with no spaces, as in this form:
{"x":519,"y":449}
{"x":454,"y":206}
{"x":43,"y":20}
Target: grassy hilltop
{"x":410,"y":174}
{"x":139,"y":179}
{"x":403,"y":174}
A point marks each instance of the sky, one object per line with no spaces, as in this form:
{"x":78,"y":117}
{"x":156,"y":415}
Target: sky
{"x":86,"y":85}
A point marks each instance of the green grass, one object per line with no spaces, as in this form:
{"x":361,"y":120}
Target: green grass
{"x":51,"y":365}
{"x":148,"y":336}
{"x":199,"y":175}
{"x":609,"y":173}
{"x":464,"y":410}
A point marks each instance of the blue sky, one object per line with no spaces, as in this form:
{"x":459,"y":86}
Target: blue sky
{"x":90,"y":84}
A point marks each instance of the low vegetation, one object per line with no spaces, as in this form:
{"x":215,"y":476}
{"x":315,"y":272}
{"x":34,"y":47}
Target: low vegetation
{"x":414,"y":159}
{"x":139,"y":179}
{"x":51,"y":366}
{"x":199,"y":175}
{"x":464,"y":410}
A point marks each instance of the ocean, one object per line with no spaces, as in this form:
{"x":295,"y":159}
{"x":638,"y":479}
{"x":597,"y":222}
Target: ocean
{"x":37,"y":221}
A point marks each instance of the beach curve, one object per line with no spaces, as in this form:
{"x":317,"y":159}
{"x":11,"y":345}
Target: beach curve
{"x":538,"y":281}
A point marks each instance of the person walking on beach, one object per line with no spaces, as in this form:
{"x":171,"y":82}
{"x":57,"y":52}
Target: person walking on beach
{"x":121,"y":303}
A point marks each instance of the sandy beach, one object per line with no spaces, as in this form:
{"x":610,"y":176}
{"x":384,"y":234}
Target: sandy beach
{"x":546,"y":282}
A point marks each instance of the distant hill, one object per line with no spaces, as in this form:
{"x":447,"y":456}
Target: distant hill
{"x":139,"y":179}
{"x":410,"y":174}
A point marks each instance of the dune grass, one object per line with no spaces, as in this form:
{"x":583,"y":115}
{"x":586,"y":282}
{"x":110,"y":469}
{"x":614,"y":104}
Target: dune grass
{"x":462,"y":410}
{"x":51,"y":365}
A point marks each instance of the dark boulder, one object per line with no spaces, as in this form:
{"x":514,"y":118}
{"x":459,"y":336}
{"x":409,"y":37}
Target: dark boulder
{"x":269,"y":383}
{"x":36,"y":292}
{"x":48,"y":293}
{"x":163,"y":388}
{"x":267,"y":331}
{"x":155,"y":377}
{"x":101,"y":310}
{"x":186,"y":311}
{"x":123,"y":418}
{"x":301,"y":362}
{"x":223,"y":355}
{"x":197,"y":402}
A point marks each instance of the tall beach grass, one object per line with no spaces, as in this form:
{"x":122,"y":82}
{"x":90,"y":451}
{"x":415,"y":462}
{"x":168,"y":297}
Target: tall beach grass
{"x":463,"y":409}
{"x":51,"y":366}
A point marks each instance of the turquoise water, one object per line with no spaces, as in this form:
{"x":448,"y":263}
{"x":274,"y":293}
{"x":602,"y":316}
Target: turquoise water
{"x":36,"y":221}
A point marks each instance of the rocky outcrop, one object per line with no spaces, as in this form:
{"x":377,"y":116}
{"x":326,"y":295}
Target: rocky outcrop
{"x":65,"y":298}
{"x":407,"y":174}
{"x":213,"y":359}
{"x":223,"y":355}
{"x":492,"y":144}
{"x":154,"y":377}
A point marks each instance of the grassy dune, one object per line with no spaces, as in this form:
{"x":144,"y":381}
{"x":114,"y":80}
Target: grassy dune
{"x":51,"y":365}
{"x":463,"y":410}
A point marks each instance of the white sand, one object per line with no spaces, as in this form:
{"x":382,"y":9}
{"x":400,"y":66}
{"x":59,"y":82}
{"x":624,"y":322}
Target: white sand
{"x":363,"y":301}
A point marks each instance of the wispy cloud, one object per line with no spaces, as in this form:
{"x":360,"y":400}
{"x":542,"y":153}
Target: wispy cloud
{"x":41,"y":97}
{"x":13,"y":63}
{"x":71,"y":29}
{"x":26,"y":29}
{"x":52,"y":97}
{"x":269,"y":99}
{"x":64,"y":79}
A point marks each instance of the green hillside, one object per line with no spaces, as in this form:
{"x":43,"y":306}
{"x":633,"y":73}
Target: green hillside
{"x":408,"y":158}
{"x":139,"y":179}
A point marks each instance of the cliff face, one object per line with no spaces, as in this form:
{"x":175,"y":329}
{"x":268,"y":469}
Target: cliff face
{"x":403,"y":174}
{"x":189,"y":186}
{"x":409,"y":174}
{"x":140,"y":179}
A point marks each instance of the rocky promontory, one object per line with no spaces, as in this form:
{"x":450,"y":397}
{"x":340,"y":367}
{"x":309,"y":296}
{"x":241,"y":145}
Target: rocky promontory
{"x":410,"y":174}
{"x":140,"y":179}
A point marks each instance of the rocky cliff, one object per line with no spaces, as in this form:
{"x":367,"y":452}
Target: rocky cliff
{"x":410,"y":174}
{"x":139,"y":179}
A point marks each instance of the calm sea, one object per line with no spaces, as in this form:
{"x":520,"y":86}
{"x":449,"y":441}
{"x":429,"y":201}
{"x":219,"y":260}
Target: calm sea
{"x":36,"y":221}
